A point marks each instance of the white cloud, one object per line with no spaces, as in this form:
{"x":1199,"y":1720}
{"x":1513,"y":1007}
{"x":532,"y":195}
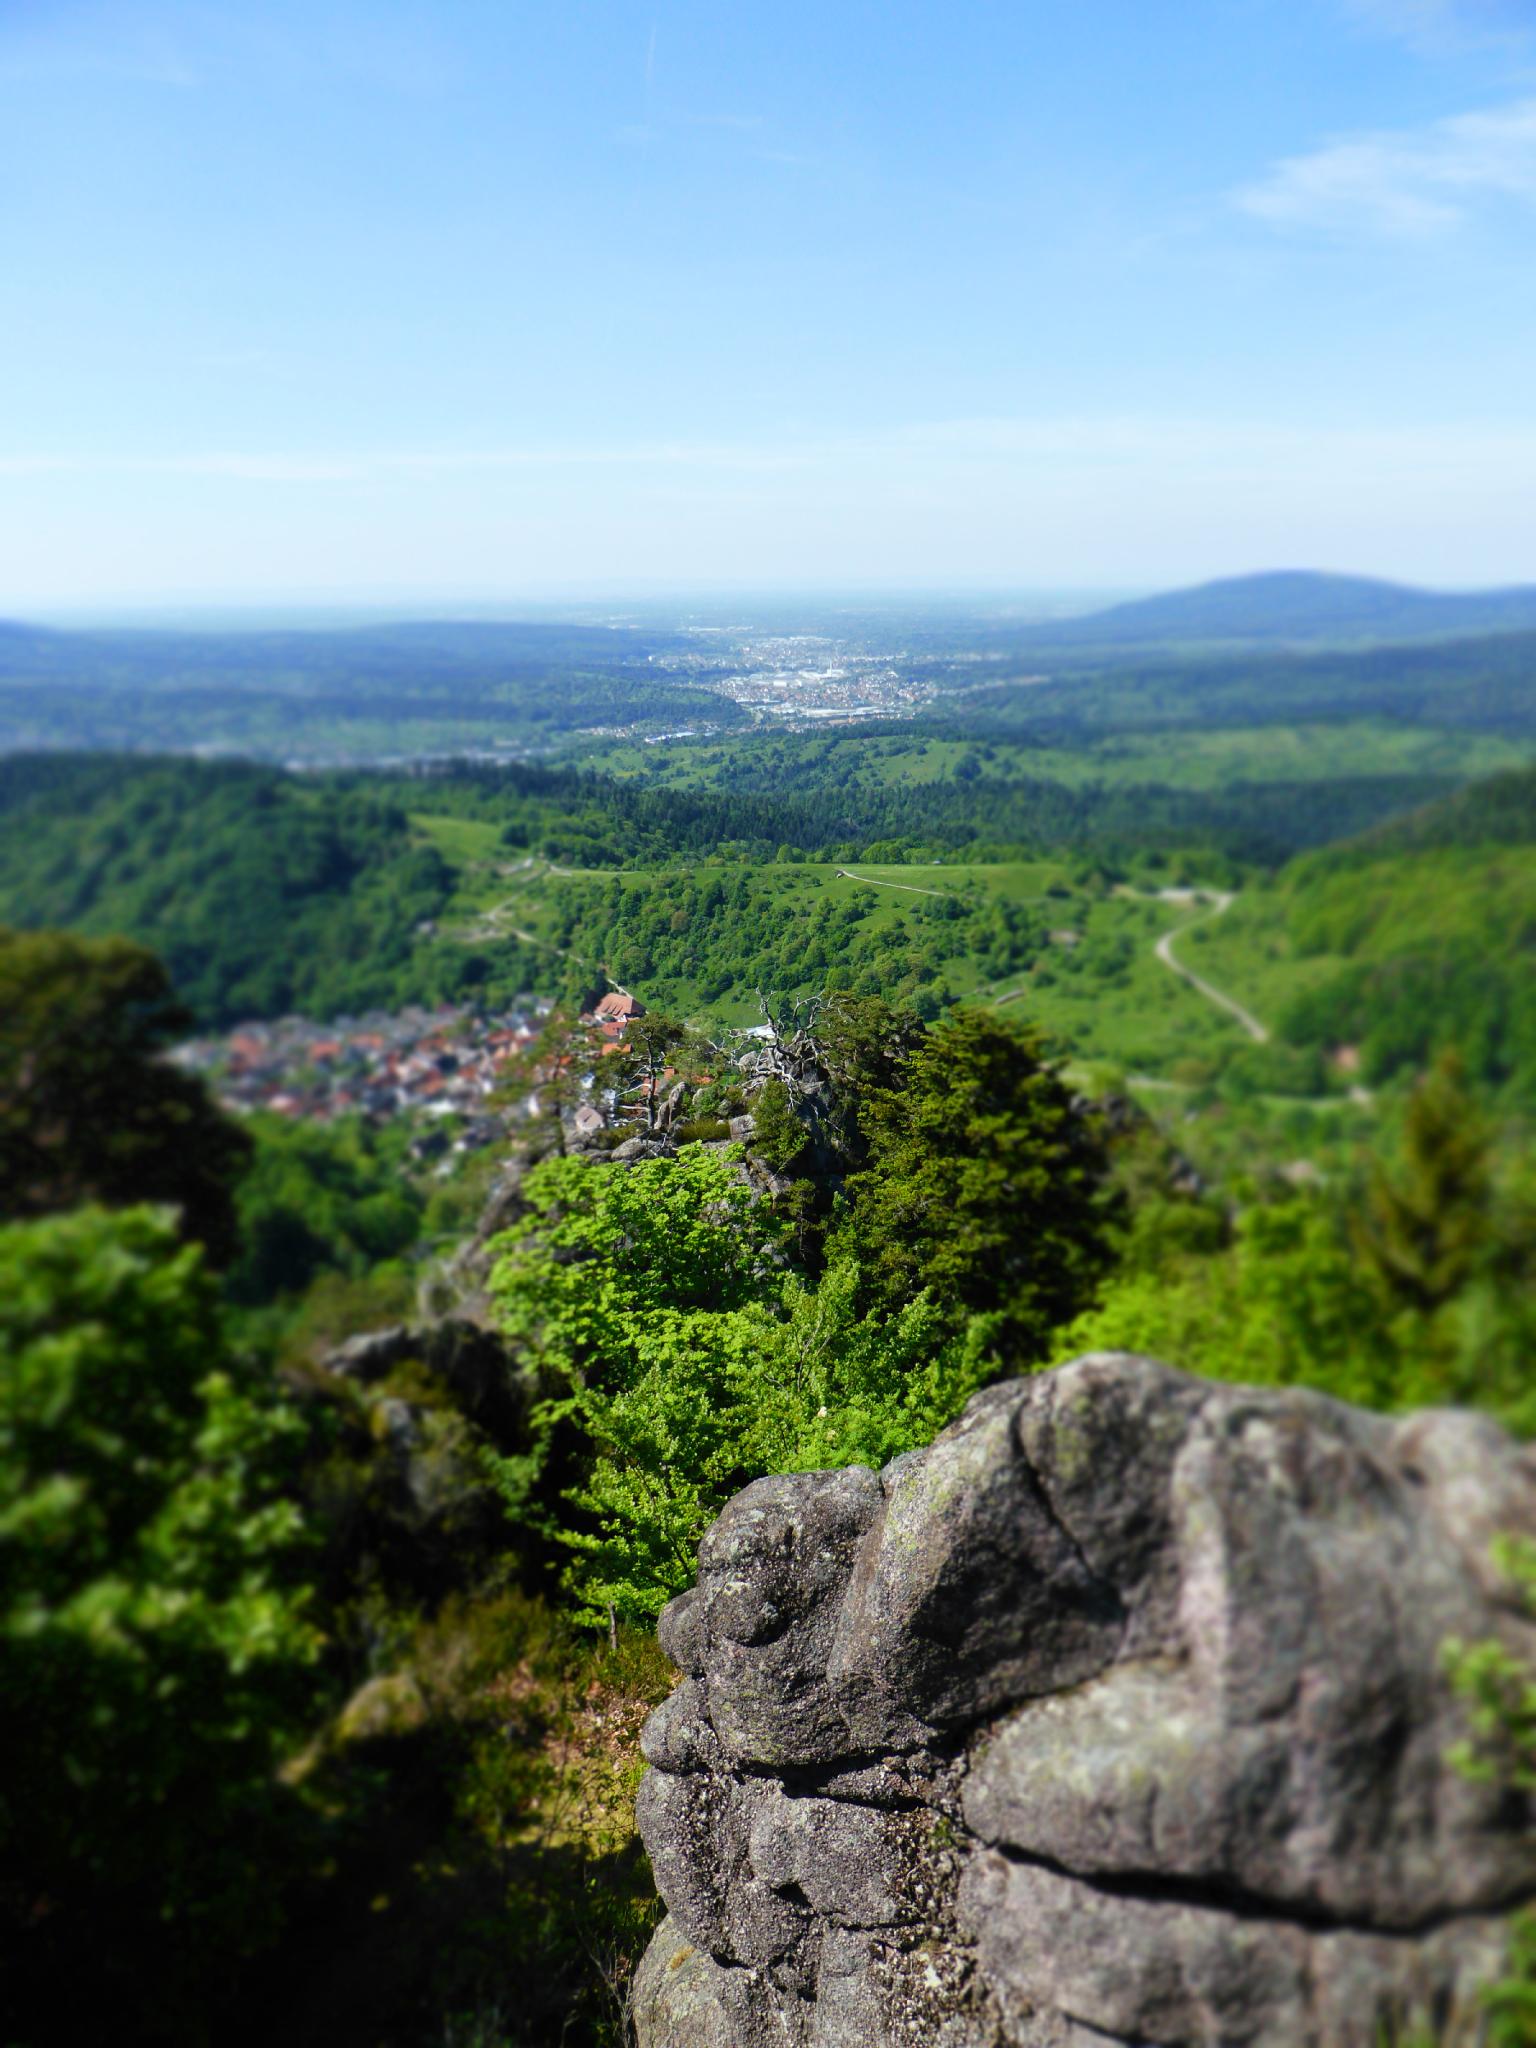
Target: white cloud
{"x":1403,"y":183}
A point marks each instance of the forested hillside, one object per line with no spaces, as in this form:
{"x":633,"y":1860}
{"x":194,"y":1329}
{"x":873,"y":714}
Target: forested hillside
{"x":1414,"y":939}
{"x":815,"y":868}
{"x":262,"y":893}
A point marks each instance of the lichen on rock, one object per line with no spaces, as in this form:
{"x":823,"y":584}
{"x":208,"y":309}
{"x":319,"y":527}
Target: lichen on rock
{"x":1119,"y":1713}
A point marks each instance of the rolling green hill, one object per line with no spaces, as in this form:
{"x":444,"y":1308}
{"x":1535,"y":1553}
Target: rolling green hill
{"x":1418,"y":936}
{"x":261,"y":893}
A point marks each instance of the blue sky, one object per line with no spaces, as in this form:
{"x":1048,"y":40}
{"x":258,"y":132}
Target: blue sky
{"x":501,"y":298}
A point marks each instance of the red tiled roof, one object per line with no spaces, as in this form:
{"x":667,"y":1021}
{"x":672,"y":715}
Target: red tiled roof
{"x":618,"y":1004}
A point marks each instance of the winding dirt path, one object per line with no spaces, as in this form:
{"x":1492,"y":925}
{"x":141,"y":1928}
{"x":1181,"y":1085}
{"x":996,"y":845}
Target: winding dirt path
{"x":1221,"y":901}
{"x":906,"y":888}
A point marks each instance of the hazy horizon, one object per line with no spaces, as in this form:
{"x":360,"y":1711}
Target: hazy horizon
{"x":279,"y":611}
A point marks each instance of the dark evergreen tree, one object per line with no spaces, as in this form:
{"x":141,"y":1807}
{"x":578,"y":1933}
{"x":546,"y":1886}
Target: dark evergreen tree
{"x":90,"y":1111}
{"x":988,"y":1184}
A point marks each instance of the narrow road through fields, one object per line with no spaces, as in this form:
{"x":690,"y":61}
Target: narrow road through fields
{"x":906,"y":888}
{"x":1221,"y":901}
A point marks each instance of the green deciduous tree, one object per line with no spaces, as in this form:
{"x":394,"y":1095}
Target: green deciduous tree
{"x":157,"y":1656}
{"x":321,"y":1198}
{"x":651,"y":1043}
{"x":690,"y":1360}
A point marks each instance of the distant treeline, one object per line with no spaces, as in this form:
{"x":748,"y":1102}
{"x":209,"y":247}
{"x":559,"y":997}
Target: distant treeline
{"x":375,"y":691}
{"x":1486,"y":684}
{"x":812,"y":803}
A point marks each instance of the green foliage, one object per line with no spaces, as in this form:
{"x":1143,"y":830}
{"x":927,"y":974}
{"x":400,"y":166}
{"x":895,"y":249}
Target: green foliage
{"x":778,"y":1134}
{"x":643,"y":1290}
{"x":89,"y":1109}
{"x":321,"y":1198}
{"x":1284,"y":1304}
{"x":842,"y":1386}
{"x":690,"y":1360}
{"x":1409,"y":1286}
{"x":1498,"y":1687}
{"x":158,"y":1654}
{"x":1499,"y":1690}
{"x":702,"y":1130}
{"x":262,"y":893}
{"x":1425,"y":1226}
{"x":986,"y":1187}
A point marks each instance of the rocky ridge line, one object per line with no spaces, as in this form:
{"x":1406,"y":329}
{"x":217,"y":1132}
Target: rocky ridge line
{"x":1118,"y":1714}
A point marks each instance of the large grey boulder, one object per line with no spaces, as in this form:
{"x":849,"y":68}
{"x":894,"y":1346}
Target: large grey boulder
{"x":1118,"y":1714}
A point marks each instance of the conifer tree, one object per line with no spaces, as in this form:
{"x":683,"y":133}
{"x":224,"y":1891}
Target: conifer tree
{"x":1426,"y":1225}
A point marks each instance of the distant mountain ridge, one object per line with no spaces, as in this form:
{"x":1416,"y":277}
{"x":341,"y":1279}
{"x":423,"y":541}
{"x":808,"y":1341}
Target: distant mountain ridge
{"x":1295,"y":606}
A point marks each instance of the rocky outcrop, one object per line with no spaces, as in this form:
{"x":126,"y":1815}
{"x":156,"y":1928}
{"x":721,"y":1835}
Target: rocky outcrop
{"x":1118,"y":1714}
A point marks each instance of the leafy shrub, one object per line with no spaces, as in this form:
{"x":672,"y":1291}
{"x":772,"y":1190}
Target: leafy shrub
{"x":691,"y":1359}
{"x":158,"y":1653}
{"x":778,"y":1135}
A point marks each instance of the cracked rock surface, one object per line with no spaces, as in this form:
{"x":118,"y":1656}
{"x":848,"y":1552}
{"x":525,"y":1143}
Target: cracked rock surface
{"x":1118,"y":1714}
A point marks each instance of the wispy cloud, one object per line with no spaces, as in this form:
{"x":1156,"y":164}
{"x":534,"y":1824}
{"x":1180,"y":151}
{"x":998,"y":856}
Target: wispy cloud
{"x":1447,"y":24}
{"x":1403,"y":183}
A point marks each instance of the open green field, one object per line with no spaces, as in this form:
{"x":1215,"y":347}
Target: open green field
{"x":459,"y":840}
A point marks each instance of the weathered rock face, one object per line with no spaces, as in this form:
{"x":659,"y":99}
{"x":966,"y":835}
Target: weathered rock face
{"x":1118,"y":1714}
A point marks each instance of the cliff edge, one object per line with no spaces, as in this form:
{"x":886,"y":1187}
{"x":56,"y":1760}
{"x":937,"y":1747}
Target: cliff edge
{"x":1116,"y":1715}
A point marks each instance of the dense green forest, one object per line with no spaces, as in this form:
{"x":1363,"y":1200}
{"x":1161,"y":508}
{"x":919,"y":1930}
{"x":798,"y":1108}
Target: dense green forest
{"x":263,"y":894}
